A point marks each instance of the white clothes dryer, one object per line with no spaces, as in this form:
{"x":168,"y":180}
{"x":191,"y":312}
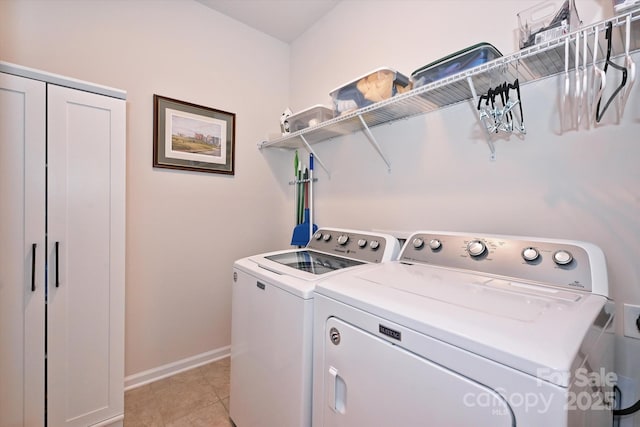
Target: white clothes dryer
{"x":467,"y":330}
{"x":272,"y":323}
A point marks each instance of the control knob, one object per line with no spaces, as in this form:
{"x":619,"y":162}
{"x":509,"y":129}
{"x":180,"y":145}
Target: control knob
{"x":326,"y":237}
{"x":562,"y":257}
{"x":435,"y":244}
{"x":317,"y":236}
{"x":475,"y":248}
{"x":374,"y":245}
{"x":362,"y":243}
{"x":530,"y":254}
{"x":343,"y":239}
{"x":418,"y":242}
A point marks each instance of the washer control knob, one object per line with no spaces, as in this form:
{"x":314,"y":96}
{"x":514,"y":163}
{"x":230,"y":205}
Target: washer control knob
{"x":317,"y":236}
{"x":362,"y":243}
{"x":343,"y":239}
{"x":435,"y":244}
{"x":326,"y":237}
{"x":562,"y":257}
{"x":418,"y":243}
{"x":374,"y":245}
{"x":475,"y":248}
{"x":530,"y":254}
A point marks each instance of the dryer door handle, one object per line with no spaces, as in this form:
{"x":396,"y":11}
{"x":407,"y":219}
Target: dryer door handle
{"x":336,"y":392}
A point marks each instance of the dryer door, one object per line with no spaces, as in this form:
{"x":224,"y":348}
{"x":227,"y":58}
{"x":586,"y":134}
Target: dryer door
{"x":371,"y":382}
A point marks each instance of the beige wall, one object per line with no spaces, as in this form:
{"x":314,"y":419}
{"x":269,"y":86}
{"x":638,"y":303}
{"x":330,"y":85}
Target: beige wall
{"x":184,"y":229}
{"x":554,"y":182}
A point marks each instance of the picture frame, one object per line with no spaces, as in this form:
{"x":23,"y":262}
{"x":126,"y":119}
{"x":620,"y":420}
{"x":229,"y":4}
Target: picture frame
{"x":192,"y":137}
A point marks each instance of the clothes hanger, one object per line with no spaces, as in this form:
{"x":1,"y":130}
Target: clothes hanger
{"x":567,"y":83}
{"x":516,"y":118}
{"x":578,"y":88}
{"x":502,"y":117}
{"x":499,"y":109}
{"x":486,"y":116}
{"x":585,"y":79}
{"x":630,"y":65}
{"x":598,"y":74}
{"x":516,"y":85}
{"x":608,"y":62}
{"x":507,"y":123}
{"x":506,"y":110}
{"x":489,"y":113}
{"x":496,"y":113}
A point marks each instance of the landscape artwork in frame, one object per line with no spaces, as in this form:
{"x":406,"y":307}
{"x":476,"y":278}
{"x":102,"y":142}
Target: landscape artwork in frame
{"x":192,"y":137}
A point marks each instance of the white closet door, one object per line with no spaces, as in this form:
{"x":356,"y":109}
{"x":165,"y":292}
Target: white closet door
{"x":86,"y":171}
{"x":22,"y":222}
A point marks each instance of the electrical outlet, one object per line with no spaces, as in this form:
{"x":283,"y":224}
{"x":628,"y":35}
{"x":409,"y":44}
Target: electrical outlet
{"x":631,"y":321}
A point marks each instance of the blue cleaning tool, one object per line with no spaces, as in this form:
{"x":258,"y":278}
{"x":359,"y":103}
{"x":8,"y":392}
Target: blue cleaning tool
{"x":302,"y":232}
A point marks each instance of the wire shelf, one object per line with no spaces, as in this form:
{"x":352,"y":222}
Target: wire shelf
{"x":528,"y":65}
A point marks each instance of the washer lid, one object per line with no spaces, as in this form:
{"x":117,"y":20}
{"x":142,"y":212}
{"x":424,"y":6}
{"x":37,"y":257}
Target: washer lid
{"x":330,"y":252}
{"x":535,"y":329}
{"x":295,"y":271}
{"x":303,"y":264}
{"x":312,"y":262}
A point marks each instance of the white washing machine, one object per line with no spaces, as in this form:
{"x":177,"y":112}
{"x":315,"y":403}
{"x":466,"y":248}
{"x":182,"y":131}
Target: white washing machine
{"x":467,"y":330}
{"x":272,"y":323}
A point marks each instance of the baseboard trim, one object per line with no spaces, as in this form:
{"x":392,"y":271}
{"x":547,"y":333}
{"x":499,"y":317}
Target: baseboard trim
{"x":155,"y":374}
{"x":111,"y":422}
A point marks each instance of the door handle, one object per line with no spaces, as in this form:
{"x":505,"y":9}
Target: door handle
{"x":57,"y":264}
{"x":337,"y":391}
{"x":33,"y":267}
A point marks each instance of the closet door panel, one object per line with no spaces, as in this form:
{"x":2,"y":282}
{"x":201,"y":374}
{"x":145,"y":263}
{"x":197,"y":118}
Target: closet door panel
{"x":22,"y":225}
{"x":86,"y":257}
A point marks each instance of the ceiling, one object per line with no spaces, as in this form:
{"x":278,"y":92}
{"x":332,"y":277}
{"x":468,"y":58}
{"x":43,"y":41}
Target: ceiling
{"x":285,"y":20}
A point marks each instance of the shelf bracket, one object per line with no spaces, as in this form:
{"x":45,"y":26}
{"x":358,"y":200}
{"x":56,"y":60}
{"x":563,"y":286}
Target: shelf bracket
{"x":474,"y":94}
{"x":373,"y":142}
{"x":315,"y":155}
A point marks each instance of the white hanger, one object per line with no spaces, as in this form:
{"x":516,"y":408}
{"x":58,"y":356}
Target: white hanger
{"x":631,"y":68}
{"x":566,"y":89}
{"x":584,"y":104}
{"x":578,"y":88}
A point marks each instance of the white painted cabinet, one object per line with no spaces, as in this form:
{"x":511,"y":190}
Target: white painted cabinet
{"x":62,"y":194}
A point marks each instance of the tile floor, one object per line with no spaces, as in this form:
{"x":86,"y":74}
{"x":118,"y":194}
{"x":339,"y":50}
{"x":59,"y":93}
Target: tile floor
{"x":195,"y":398}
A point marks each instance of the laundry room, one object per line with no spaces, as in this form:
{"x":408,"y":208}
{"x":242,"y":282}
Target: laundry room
{"x":538,"y":141}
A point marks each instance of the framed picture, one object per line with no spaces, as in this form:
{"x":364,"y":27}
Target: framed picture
{"x":192,"y":137}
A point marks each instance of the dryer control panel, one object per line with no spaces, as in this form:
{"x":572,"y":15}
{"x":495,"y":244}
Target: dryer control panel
{"x":369,"y":247}
{"x":565,"y":263}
